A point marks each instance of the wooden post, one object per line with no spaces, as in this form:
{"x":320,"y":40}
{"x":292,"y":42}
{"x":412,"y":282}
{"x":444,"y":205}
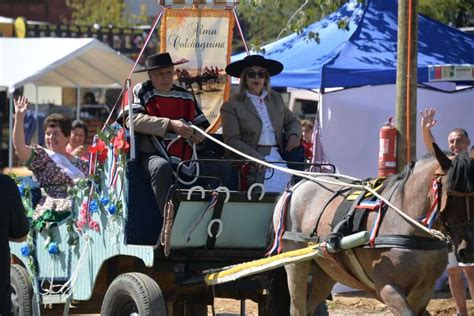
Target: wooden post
{"x":405,"y":113}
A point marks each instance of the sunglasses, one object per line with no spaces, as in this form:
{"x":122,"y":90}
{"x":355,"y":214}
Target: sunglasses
{"x":254,"y":74}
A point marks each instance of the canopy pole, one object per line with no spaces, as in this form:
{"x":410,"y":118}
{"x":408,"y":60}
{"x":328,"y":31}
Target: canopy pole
{"x":10,"y":129}
{"x":36,"y":105}
{"x":36,"y":115}
{"x":78,"y":102}
{"x":408,"y":83}
{"x":240,"y":31}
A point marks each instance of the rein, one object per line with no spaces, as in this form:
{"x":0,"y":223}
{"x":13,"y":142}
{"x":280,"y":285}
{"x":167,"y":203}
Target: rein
{"x":312,"y":176}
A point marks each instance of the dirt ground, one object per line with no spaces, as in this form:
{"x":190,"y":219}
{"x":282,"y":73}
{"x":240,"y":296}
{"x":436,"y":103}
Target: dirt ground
{"x":353,"y":304}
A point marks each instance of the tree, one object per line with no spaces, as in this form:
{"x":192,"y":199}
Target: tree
{"x":263,"y":21}
{"x":458,"y":13}
{"x":267,"y":20}
{"x":102,"y":12}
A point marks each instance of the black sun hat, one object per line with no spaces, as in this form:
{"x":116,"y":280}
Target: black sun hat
{"x":272,"y":66}
{"x":160,"y":60}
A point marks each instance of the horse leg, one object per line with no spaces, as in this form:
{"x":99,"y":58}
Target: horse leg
{"x":297,"y":274}
{"x":395,"y":299}
{"x":319,"y":289}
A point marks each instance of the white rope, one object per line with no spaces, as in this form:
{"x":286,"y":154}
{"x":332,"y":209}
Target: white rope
{"x":71,"y":283}
{"x":312,"y":176}
{"x":193,"y":157}
{"x":52,"y":286}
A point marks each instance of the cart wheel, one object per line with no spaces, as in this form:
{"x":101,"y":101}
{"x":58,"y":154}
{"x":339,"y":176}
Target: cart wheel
{"x":21,"y":291}
{"x":277,"y":301}
{"x":133,"y":293}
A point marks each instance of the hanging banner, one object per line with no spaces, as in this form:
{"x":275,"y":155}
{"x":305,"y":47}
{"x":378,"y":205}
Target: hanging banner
{"x":204,"y":37}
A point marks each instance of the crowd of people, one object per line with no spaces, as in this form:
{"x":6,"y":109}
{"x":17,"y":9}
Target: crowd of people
{"x":255,"y":121}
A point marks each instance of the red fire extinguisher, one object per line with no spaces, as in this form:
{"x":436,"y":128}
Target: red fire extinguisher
{"x":387,"y":151}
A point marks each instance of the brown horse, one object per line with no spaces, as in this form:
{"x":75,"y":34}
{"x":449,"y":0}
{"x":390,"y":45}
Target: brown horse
{"x":401,"y":269}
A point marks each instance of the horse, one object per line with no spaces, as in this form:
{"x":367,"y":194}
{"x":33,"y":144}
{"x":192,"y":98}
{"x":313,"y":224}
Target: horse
{"x":186,"y":80}
{"x":402,"y":273}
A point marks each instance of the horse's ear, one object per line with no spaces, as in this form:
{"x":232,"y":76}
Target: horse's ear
{"x":443,"y":160}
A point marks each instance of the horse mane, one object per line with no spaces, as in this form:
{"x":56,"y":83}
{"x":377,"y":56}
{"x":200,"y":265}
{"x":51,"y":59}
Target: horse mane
{"x":461,"y":174}
{"x":401,"y":177}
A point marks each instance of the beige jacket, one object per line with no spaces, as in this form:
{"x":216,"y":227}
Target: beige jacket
{"x":241,"y":124}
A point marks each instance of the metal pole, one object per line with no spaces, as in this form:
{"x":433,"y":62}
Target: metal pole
{"x":10,"y":130}
{"x":130,"y":118}
{"x":78,"y":102}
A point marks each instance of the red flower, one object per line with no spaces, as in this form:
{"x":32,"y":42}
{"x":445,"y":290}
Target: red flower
{"x":100,"y":149}
{"x":119,"y":142}
{"x":94,"y":225}
{"x":102,"y":156}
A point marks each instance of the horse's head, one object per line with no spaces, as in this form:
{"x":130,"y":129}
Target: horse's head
{"x":456,"y":177}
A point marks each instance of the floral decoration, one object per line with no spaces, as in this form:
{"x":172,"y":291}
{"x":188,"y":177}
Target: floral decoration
{"x":25,"y":250}
{"x":53,"y":248}
{"x":99,"y":149}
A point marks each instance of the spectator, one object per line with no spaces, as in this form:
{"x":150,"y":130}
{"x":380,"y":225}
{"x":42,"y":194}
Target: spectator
{"x":307,"y":139}
{"x":53,"y":167}
{"x":89,"y":98}
{"x":257,"y":122}
{"x":14,"y":226}
{"x":161,"y":113}
{"x":76,"y":145}
{"x":458,"y":142}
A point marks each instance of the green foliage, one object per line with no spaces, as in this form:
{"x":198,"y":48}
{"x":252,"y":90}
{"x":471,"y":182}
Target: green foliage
{"x":457,"y":13}
{"x":103,"y":12}
{"x":265,"y":21}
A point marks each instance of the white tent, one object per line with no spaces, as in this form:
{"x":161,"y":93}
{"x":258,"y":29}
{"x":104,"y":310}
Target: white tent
{"x":60,"y":62}
{"x":351,"y":119}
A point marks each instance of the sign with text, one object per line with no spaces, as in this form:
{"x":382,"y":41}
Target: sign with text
{"x":451,"y":73}
{"x":203,"y":37}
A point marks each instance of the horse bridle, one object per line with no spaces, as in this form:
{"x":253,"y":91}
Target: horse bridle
{"x":453,"y":194}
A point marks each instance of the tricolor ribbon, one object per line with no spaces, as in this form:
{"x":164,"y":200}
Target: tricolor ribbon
{"x":281,"y":206}
{"x":432,"y":214}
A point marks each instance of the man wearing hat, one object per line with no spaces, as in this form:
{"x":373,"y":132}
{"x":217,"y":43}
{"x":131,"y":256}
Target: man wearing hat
{"x":161,"y":114}
{"x":256,"y":121}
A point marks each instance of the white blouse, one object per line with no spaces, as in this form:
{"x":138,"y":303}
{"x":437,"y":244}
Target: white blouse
{"x":267,"y":135}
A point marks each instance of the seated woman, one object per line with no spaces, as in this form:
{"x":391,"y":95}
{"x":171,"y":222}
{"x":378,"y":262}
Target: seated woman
{"x":76,"y":145}
{"x":53,"y":167}
{"x":256,"y":121}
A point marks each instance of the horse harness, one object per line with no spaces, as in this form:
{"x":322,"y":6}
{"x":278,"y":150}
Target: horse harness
{"x":350,"y":215}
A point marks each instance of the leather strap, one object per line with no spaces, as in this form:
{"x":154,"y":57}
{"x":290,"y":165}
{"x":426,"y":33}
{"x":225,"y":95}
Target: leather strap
{"x":216,"y":214}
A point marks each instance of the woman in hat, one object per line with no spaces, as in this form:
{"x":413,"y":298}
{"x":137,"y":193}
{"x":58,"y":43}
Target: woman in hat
{"x":256,"y":121}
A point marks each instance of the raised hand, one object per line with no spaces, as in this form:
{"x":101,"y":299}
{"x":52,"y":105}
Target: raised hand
{"x":21,"y":105}
{"x":427,"y":118}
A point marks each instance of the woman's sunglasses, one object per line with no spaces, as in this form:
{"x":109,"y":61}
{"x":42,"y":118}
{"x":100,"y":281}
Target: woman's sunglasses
{"x":254,"y":74}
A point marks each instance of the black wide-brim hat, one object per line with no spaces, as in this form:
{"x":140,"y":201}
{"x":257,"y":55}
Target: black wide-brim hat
{"x":160,"y":60}
{"x":273,"y":67}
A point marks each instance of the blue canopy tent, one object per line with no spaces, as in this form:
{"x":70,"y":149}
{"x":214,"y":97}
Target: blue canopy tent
{"x":365,"y":53}
{"x":363,"y":57}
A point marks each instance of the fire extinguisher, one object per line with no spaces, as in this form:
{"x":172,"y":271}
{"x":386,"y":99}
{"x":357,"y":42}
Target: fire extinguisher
{"x":387,"y":151}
